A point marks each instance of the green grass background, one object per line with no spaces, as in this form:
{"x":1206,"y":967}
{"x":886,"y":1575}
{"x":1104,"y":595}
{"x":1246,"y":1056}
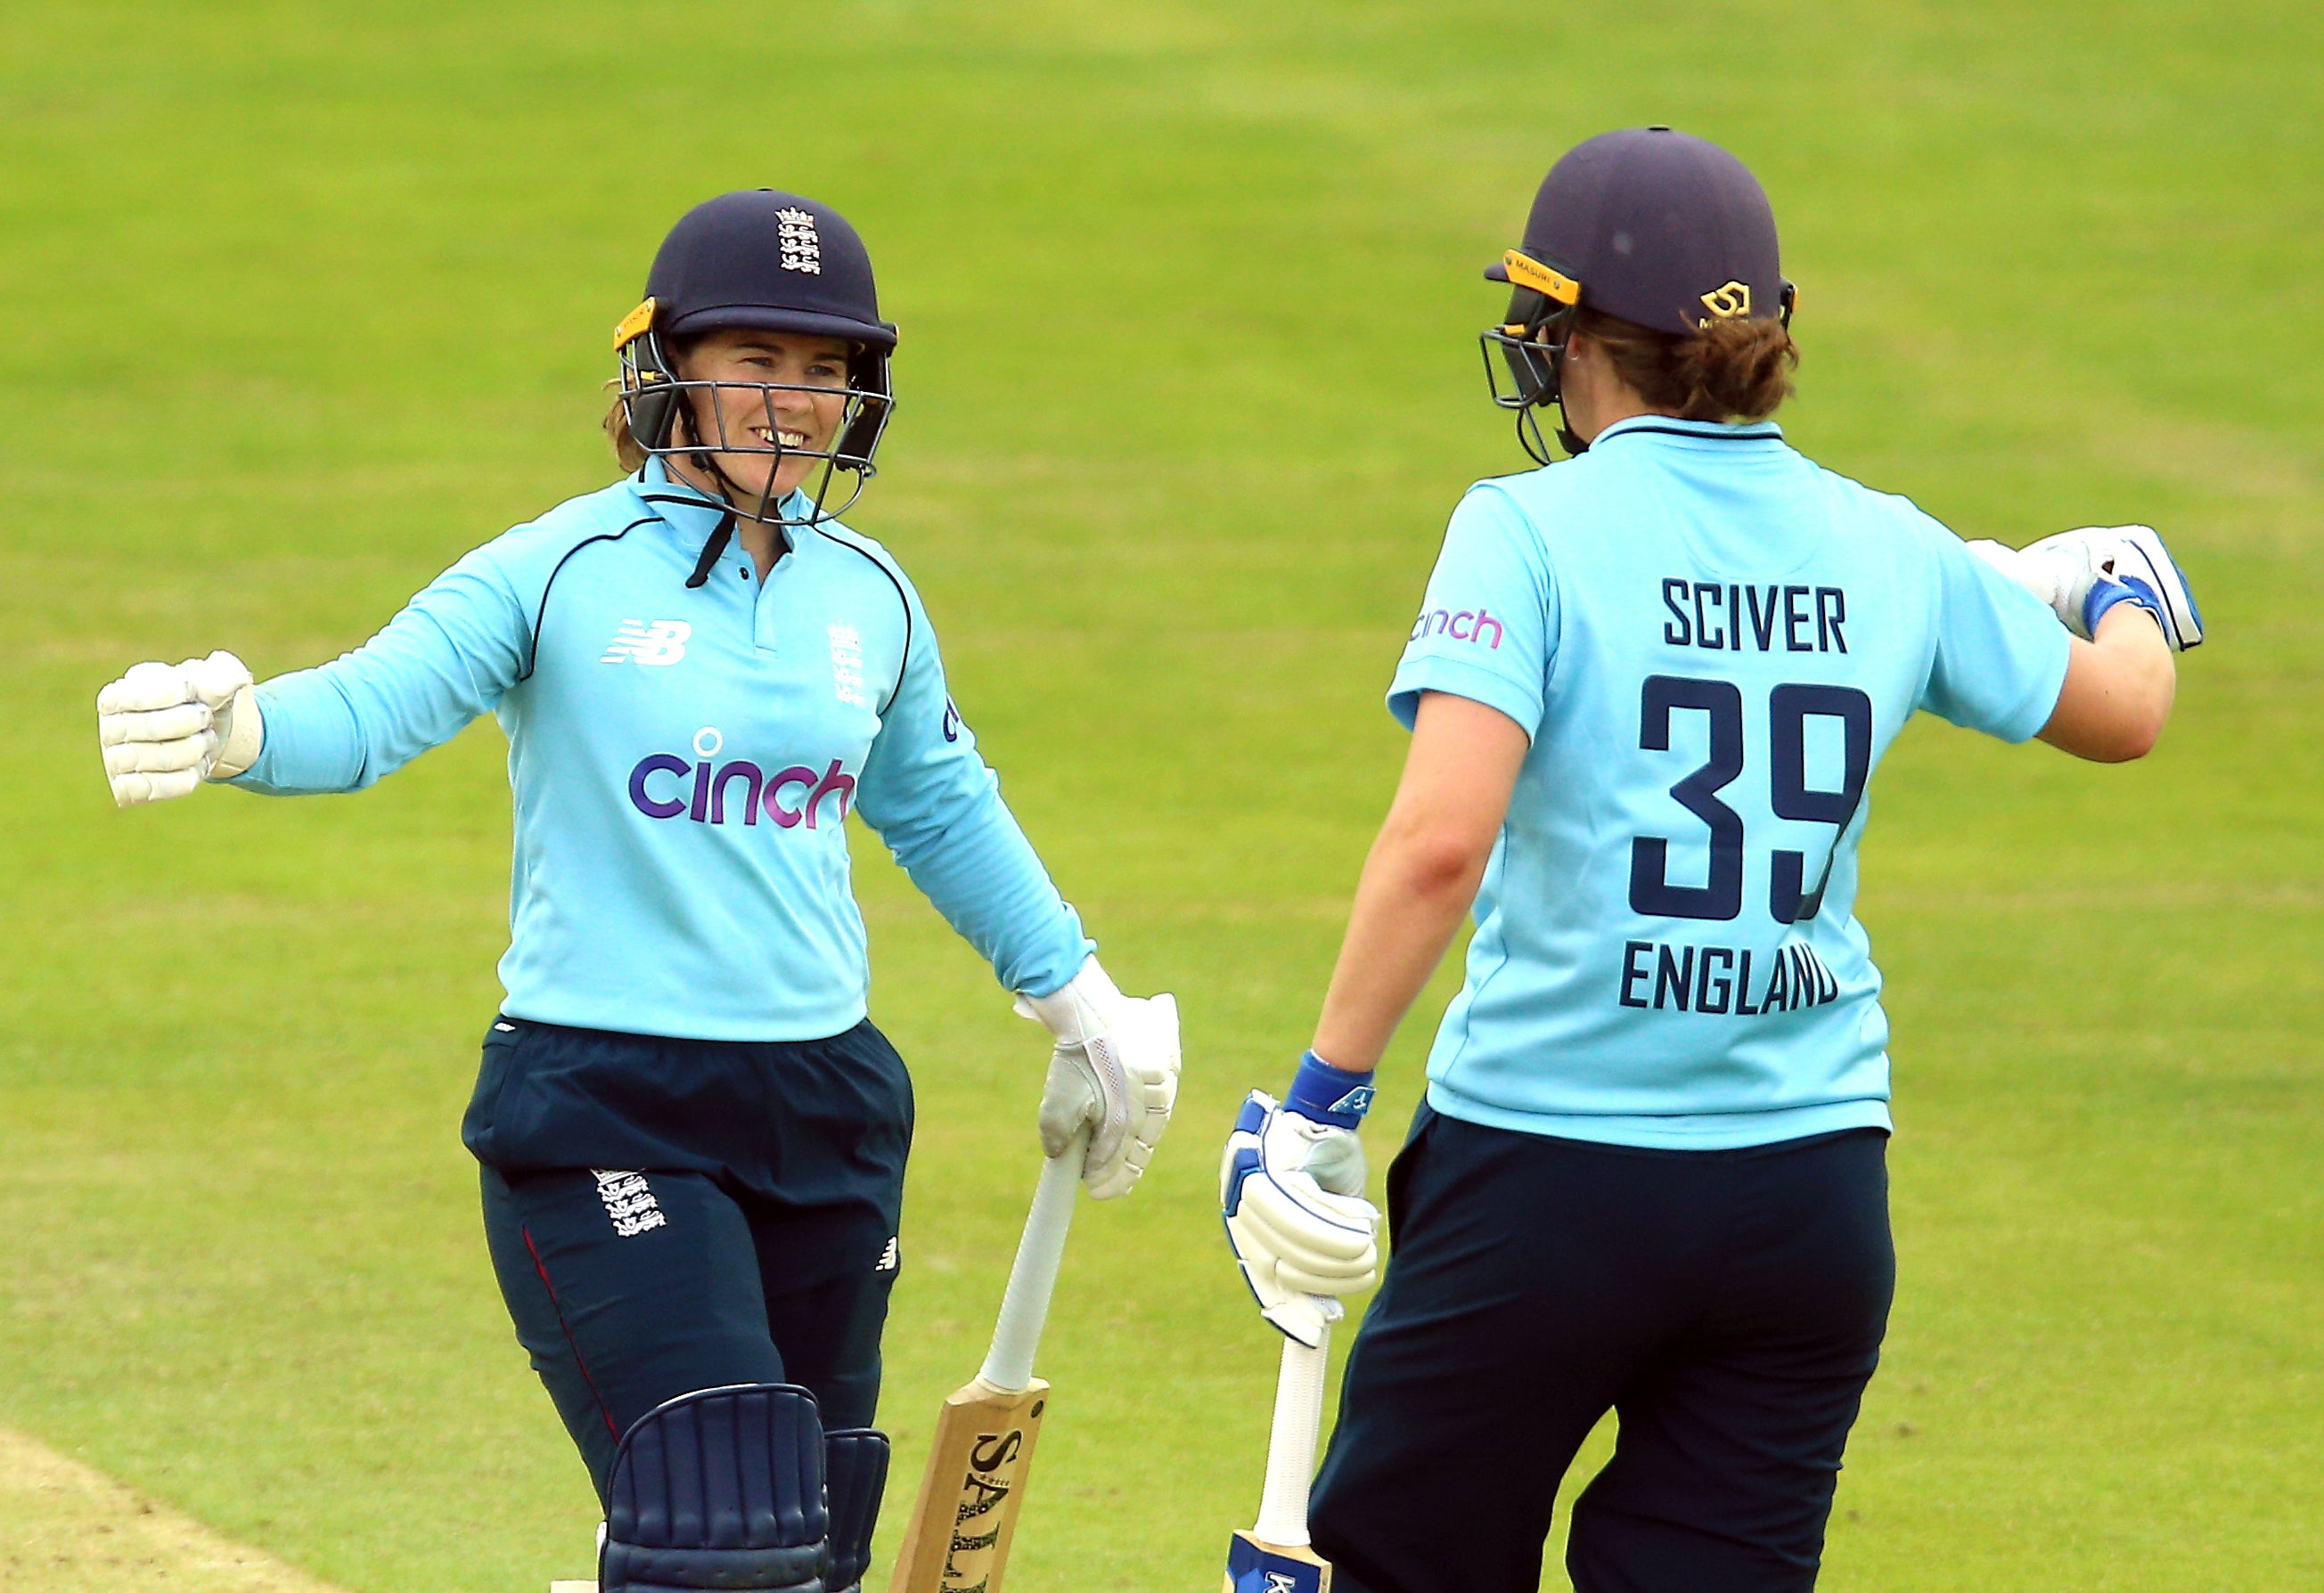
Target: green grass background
{"x":303,"y":301}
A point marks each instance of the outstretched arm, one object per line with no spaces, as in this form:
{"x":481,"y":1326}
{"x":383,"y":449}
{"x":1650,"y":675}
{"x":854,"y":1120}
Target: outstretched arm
{"x":446,"y":658}
{"x":2124,"y":599}
{"x":2117,"y":692}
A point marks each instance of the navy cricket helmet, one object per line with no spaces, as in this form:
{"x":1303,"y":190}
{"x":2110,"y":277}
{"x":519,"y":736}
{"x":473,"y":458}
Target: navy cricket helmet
{"x":1656,"y":228}
{"x":758,"y":258}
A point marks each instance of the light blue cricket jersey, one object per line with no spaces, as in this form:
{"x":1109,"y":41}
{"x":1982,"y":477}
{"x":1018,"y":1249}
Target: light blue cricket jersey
{"x":1710,"y":641}
{"x":683,"y":761}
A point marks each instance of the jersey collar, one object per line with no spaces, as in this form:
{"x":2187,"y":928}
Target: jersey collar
{"x":693,"y":515}
{"x":1700,"y":431}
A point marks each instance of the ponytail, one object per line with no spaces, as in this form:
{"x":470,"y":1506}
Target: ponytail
{"x":1732,"y":370}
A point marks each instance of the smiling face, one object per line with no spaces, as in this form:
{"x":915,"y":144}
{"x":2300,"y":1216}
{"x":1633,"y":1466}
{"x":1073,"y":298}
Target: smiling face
{"x":803,"y":411}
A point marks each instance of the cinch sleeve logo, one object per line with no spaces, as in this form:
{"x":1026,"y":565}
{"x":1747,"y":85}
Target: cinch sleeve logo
{"x":1460,"y":624}
{"x":660,"y":788}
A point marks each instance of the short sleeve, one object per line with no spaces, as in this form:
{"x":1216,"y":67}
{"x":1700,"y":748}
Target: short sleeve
{"x":1487,"y":628}
{"x":2000,"y":659}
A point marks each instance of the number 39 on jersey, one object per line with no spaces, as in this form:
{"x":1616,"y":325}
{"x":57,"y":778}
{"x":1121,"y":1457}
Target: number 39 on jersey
{"x":1790,"y":707}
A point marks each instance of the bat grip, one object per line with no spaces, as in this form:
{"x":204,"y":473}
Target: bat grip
{"x":1291,"y":1443}
{"x":1009,"y":1364}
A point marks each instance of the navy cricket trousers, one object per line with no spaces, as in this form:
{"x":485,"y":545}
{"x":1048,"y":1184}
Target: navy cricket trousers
{"x":670,"y":1215}
{"x":1727,"y":1306}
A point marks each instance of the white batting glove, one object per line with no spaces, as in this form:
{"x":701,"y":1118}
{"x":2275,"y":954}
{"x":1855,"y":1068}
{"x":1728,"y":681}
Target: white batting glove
{"x":2037,"y":576}
{"x":1114,"y":1072}
{"x":2126,"y":563}
{"x":166,"y":728}
{"x":2081,"y":573}
{"x":1291,"y":1187}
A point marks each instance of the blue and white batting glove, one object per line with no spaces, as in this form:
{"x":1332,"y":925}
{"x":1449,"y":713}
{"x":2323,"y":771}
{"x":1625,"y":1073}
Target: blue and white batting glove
{"x":1291,"y":1187}
{"x":2082,"y":574}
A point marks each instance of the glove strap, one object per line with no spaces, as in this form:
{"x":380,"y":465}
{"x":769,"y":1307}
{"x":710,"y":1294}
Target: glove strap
{"x":2107,"y":592}
{"x":245,"y":737}
{"x":1326,"y":1094}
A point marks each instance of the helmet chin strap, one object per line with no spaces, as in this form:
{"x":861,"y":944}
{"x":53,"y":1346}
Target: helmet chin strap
{"x":1566,"y":439}
{"x":734,"y":492}
{"x":722,"y":534}
{"x":729,"y":489}
{"x":1535,"y":334}
{"x":1529,"y":421}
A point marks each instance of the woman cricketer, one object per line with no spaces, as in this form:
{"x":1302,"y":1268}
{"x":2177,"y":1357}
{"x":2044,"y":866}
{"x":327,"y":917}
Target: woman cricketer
{"x":692,"y":1138}
{"x":1646,"y":691}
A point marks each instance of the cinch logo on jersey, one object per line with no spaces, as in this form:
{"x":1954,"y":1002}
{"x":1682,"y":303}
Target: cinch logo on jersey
{"x":1460,"y":624}
{"x":662,"y":641}
{"x":788,"y":796}
{"x":1719,"y":980}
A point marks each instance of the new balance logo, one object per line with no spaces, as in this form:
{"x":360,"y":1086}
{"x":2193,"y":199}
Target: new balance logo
{"x":640,"y":641}
{"x":890,"y":1258}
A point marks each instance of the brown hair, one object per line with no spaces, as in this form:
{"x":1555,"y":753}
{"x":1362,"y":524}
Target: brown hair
{"x":617,"y":432}
{"x":617,"y":417}
{"x":1732,"y":370}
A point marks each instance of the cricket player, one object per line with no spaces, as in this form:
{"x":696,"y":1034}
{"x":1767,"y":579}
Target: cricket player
{"x":692,"y":1138}
{"x":1646,"y":690}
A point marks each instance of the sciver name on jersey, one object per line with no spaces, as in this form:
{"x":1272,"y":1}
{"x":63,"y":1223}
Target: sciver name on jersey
{"x":1710,"y":641}
{"x":683,"y":761}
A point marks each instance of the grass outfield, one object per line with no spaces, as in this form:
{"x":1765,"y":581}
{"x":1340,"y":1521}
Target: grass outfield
{"x":304,"y":306}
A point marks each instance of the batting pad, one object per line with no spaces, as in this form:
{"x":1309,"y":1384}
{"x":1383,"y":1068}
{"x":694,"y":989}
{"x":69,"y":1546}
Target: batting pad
{"x":721,"y":1489}
{"x":856,"y":1461}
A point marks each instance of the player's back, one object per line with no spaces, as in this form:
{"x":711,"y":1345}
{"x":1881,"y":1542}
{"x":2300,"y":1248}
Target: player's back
{"x":1711,"y":640}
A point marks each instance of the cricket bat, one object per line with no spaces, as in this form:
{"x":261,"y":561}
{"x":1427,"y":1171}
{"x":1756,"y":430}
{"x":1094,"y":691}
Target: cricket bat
{"x":957,"y":1540}
{"x":1273,"y":1556}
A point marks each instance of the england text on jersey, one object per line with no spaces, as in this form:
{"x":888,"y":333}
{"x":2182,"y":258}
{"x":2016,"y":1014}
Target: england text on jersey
{"x":1721,"y":980}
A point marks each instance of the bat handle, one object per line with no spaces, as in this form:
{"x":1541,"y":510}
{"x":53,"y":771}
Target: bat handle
{"x":1291,"y":1444}
{"x":1009,"y":1365}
